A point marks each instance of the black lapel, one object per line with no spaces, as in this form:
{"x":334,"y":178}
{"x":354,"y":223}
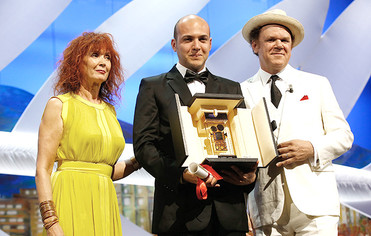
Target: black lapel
{"x":176,"y":82}
{"x":212,"y":85}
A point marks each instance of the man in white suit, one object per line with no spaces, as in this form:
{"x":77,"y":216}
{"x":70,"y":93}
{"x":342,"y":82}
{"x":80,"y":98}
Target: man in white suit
{"x":297,"y":194}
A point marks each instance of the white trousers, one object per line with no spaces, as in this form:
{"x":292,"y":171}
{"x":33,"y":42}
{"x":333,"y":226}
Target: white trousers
{"x":303,"y":225}
{"x":294,"y":222}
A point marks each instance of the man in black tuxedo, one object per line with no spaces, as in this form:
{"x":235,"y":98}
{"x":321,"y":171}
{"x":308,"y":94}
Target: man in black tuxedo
{"x":177,"y":211}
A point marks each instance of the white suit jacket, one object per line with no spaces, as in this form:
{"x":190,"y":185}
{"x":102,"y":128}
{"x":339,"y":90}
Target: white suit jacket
{"x":309,"y":111}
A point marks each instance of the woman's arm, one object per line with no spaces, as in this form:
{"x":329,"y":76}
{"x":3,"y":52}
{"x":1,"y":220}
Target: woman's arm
{"x":124,"y":168}
{"x":50,"y":134}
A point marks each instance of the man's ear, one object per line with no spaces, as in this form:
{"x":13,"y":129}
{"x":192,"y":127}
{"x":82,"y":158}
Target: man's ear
{"x":255,"y":47}
{"x":173,"y":44}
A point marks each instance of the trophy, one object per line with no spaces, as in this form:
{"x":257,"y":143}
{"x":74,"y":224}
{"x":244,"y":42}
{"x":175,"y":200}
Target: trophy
{"x":213,"y":129}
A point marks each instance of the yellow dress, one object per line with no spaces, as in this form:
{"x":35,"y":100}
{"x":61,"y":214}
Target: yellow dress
{"x":83,"y":192}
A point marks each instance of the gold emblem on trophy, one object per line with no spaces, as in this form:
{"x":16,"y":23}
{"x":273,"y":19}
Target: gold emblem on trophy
{"x":217,"y":126}
{"x":219,"y":136}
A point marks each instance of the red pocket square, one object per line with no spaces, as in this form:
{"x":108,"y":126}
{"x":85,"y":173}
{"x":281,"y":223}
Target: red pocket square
{"x":305,"y":97}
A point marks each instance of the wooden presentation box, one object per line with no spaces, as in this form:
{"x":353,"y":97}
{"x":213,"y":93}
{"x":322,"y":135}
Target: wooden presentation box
{"x":212,"y":129}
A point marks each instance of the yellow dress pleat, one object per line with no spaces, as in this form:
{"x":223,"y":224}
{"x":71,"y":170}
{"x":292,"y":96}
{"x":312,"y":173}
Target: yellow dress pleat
{"x":92,"y":142}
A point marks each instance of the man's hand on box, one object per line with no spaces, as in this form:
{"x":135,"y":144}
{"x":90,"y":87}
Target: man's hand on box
{"x":237,"y":177}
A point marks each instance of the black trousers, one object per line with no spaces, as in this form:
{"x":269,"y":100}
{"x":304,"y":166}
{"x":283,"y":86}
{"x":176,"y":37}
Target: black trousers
{"x":214,"y":228}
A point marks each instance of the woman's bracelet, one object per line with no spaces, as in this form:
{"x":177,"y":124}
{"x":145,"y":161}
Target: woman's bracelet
{"x":48,"y":214}
{"x":51,"y":223}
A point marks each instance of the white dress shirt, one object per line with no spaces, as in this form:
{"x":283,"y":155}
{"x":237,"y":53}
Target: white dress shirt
{"x":195,"y":86}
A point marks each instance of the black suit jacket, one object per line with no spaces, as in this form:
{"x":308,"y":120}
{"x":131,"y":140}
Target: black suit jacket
{"x":176,"y":207}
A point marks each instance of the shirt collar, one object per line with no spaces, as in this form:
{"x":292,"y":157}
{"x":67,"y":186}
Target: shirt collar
{"x":265,"y":76}
{"x":182,"y":69}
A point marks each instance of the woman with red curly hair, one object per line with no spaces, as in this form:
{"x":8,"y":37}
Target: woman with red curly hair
{"x":80,"y":131}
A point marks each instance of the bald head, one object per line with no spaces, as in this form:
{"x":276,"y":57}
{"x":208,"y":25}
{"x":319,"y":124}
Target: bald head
{"x":192,"y":42}
{"x":188,"y":18}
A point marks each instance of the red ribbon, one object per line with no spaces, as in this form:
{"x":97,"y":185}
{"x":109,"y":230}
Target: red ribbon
{"x":201,"y":189}
{"x":212,"y":171}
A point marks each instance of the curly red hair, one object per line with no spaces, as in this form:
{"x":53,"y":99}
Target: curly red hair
{"x":70,"y":66}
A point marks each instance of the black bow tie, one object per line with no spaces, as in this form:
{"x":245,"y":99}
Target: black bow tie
{"x":190,"y":76}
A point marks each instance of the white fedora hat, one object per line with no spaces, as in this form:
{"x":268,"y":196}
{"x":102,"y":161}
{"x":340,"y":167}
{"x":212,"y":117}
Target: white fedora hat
{"x":278,"y":17}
